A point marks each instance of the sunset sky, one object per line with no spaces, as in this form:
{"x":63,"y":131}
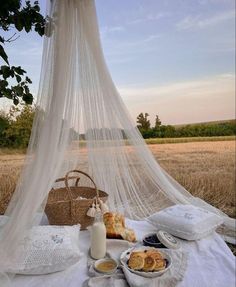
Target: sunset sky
{"x":174,"y":58}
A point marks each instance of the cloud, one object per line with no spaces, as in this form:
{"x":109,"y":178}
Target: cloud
{"x":206,"y":99}
{"x":124,"y":51}
{"x":151,"y":38}
{"x":191,"y":22}
{"x":148,"y":18}
{"x":115,"y":29}
{"x":141,"y":42}
{"x":104,"y":31}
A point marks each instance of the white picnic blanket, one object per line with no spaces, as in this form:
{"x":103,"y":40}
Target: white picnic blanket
{"x":125,"y":278}
{"x":210,"y":263}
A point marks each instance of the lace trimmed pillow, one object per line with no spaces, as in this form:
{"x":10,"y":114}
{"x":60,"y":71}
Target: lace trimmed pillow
{"x":48,"y":249}
{"x":186,"y":221}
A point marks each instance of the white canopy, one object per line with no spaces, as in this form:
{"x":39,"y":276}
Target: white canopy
{"x":77,"y":97}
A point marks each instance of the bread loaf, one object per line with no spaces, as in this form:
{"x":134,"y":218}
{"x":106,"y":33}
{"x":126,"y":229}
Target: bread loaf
{"x":115,"y":227}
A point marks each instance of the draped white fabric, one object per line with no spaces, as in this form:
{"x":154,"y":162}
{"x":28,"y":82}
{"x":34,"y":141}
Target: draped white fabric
{"x":77,"y":97}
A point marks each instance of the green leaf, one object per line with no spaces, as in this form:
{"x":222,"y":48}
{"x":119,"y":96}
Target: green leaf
{"x":19,"y":70}
{"x":28,"y":80}
{"x":28,"y":98}
{"x":27,"y":26}
{"x":7,"y":93}
{"x":3,"y":84}
{"x":39,"y":29}
{"x":16,"y":101}
{"x":19,"y":23}
{"x":18,"y":78}
{"x":18,"y":90}
{"x":26,"y":89}
{"x":12,"y":74}
{"x":6,"y":72}
{"x":3,"y":54}
{"x":36,"y":7}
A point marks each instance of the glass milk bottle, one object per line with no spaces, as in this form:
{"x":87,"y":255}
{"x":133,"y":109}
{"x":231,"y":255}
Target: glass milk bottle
{"x":98,"y":238}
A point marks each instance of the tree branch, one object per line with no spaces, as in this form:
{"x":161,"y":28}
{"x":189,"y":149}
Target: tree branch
{"x":9,"y":40}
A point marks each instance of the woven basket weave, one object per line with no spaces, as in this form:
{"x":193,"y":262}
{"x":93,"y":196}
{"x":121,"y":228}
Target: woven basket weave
{"x":69,"y":205}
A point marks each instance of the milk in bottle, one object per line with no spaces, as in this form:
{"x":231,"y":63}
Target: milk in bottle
{"x":98,"y":238}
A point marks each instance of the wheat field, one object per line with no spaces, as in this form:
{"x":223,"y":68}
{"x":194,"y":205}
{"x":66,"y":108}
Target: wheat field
{"x":205,"y":169}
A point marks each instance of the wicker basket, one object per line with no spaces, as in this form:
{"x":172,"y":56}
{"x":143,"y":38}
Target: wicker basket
{"x":69,"y":205}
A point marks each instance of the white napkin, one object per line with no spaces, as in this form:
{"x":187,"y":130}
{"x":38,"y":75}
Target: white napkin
{"x":127,"y":278}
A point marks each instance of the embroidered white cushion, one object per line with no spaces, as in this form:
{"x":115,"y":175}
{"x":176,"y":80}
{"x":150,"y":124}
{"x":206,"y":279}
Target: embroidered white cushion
{"x":48,"y":249}
{"x":186,"y":221}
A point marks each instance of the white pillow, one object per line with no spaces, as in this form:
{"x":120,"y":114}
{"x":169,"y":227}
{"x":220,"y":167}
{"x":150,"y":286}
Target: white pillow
{"x":186,"y":221}
{"x":48,"y":249}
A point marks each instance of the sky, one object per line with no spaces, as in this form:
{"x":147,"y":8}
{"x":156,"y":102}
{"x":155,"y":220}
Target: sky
{"x":174,"y":58}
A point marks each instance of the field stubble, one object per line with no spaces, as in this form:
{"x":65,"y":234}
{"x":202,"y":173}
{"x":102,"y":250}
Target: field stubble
{"x":205,"y":169}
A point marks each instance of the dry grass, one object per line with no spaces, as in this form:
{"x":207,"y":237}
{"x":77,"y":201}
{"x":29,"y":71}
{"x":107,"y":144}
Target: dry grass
{"x":189,"y":139}
{"x":10,"y":167}
{"x":206,"y":169}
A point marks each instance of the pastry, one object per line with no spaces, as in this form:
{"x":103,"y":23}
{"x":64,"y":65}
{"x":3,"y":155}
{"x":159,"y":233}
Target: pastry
{"x":128,"y":234}
{"x":137,"y":260}
{"x":114,"y":223}
{"x":157,"y":256}
{"x":115,"y":227}
{"x":160,"y":264}
{"x":147,"y":260}
{"x":154,"y":253}
{"x":149,"y":263}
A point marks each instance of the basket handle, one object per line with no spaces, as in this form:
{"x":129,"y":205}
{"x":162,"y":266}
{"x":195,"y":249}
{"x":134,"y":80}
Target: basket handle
{"x":70,"y":177}
{"x":79,"y":171}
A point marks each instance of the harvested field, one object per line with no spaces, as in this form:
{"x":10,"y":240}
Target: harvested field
{"x":206,"y":169}
{"x":189,"y":139}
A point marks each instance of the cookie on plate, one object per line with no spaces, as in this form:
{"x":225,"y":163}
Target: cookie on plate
{"x":136,"y":260}
{"x":160,"y":264}
{"x":159,"y":260}
{"x":149,"y":264}
{"x":154,"y":253}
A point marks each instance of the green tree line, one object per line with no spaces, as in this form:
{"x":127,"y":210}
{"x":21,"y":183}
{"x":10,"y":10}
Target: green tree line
{"x":227,"y":128}
{"x":16,"y":125}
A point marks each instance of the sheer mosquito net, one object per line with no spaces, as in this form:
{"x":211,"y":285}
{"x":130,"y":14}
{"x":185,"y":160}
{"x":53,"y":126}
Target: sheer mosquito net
{"x":81,"y":122}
